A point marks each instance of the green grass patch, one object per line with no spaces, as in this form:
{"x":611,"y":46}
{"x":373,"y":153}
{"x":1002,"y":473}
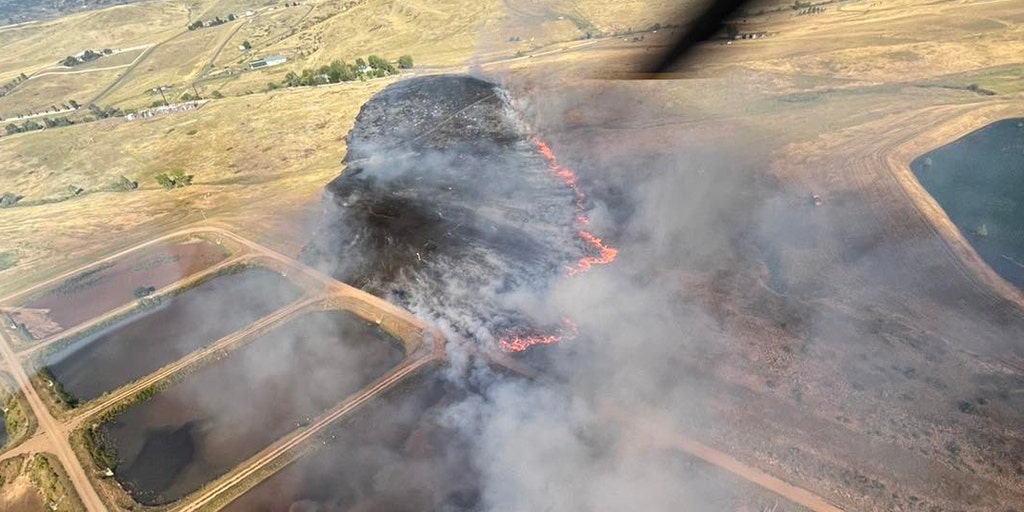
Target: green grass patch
{"x":8,"y":259}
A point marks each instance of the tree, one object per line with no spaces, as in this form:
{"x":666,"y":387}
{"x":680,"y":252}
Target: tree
{"x":12,"y":129}
{"x":74,"y":104}
{"x":360,"y":63}
{"x":216,"y":95}
{"x":405,"y":62}
{"x":291,"y":79}
{"x":69,"y":61}
{"x":246,"y":45}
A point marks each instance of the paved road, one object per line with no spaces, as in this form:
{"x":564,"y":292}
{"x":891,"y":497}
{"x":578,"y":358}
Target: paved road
{"x":49,"y":425}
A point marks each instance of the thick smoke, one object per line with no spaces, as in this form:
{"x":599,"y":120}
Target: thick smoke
{"x":550,"y":445}
{"x":424,"y":216}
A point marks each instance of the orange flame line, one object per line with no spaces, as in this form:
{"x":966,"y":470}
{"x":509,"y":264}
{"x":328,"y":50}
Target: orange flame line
{"x":605,"y":254}
{"x":521,"y":343}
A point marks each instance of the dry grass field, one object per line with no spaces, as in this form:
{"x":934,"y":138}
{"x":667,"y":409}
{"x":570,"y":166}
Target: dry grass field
{"x":857,"y":402}
{"x":250,"y":155}
{"x":39,"y":94}
{"x":42,"y":45}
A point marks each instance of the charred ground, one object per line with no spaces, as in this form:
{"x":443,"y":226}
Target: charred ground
{"x":446,"y":207}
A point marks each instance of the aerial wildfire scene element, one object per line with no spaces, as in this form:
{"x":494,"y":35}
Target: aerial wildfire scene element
{"x":512,"y":255}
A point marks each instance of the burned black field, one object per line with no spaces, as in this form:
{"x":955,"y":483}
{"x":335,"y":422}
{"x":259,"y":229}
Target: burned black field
{"x":447,"y":208}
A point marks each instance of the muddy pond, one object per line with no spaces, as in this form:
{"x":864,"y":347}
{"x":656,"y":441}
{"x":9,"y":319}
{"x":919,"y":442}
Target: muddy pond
{"x":142,"y":343}
{"x":979,"y":181}
{"x":113,"y":284}
{"x":393,"y":455}
{"x":207,"y":423}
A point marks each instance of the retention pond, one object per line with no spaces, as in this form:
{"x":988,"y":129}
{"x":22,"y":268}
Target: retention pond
{"x":143,"y":343}
{"x":105,"y":287}
{"x":979,"y":182}
{"x":396,"y":455}
{"x":206,"y":424}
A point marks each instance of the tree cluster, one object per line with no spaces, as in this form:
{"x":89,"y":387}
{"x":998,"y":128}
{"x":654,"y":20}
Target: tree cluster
{"x":87,"y":56}
{"x":12,"y":84}
{"x":103,"y":112}
{"x":32,"y":125}
{"x":340,"y":71}
{"x":211,"y":23}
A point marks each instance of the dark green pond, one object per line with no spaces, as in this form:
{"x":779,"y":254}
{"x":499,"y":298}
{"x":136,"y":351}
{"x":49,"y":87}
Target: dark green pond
{"x":979,"y":181}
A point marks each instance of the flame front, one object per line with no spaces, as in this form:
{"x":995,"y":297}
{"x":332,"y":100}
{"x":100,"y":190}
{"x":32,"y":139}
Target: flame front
{"x":568,"y":331}
{"x":605,"y":254}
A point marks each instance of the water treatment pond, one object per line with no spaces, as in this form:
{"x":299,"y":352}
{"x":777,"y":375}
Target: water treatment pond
{"x":143,"y":343}
{"x":393,"y":455}
{"x":979,"y":182}
{"x":204,"y":425}
{"x":107,"y":286}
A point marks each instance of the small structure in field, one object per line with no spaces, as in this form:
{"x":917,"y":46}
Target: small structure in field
{"x":268,"y":61}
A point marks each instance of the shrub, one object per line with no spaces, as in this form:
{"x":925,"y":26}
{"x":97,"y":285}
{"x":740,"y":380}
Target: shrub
{"x":405,"y":62}
{"x":173,"y":179}
{"x":9,"y":199}
{"x":143,"y":291}
{"x":126,"y":184}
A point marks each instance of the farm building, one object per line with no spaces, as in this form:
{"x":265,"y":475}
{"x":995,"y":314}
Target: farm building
{"x":266,"y":62}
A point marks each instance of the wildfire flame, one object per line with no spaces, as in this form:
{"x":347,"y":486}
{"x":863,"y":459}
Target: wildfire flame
{"x":521,"y":343}
{"x":605,"y":254}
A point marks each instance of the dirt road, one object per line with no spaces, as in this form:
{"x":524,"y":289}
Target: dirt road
{"x":658,"y":431}
{"x":49,"y":425}
{"x":225,"y":343}
{"x":282,"y":446}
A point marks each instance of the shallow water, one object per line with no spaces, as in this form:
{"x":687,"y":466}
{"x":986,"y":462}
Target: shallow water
{"x":201,"y":427}
{"x":979,"y":182}
{"x":392,"y":455}
{"x":143,"y":343}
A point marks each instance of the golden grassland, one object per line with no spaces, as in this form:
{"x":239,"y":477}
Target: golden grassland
{"x":42,"y":45}
{"x":38,"y":94}
{"x":253,"y":157}
{"x":176,"y":63}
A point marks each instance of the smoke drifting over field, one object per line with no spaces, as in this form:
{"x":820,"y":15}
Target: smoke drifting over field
{"x":447,"y":208}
